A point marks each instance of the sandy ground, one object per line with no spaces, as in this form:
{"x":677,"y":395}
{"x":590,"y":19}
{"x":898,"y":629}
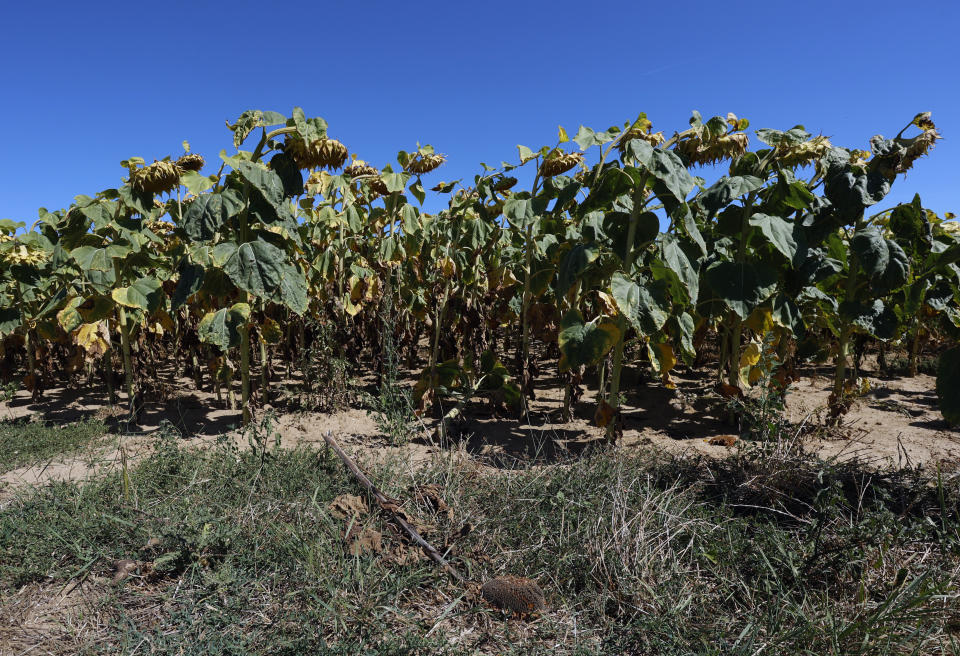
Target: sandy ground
{"x":896,"y":423}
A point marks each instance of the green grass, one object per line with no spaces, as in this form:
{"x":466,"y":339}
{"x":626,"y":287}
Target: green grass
{"x":28,"y":443}
{"x":768,"y":551}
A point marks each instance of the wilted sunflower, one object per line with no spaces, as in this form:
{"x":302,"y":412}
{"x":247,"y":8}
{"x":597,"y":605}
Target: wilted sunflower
{"x":652,"y":138}
{"x":328,"y":153}
{"x":191,"y":162}
{"x":696,"y":150}
{"x":23,"y":254}
{"x":918,"y":146}
{"x":803,"y":153}
{"x":424,"y":161}
{"x":559,"y":162}
{"x":358,"y":168}
{"x":157,"y":178}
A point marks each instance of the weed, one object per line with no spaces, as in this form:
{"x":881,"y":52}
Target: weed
{"x":25,"y":443}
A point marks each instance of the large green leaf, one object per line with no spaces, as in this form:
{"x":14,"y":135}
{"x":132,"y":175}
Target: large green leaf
{"x":645,"y":307}
{"x":725,"y":190}
{"x":948,"y":385}
{"x":677,"y":266}
{"x":585,"y":343}
{"x":196,"y":183}
{"x":519,"y":211}
{"x":742,"y":286}
{"x":871,"y":250}
{"x":261,"y":269}
{"x":145,"y":294}
{"x":189,"y":283}
{"x":266,"y":182}
{"x":778,"y":232}
{"x":209,"y":212}
{"x":222,"y":327}
{"x":92,"y":259}
{"x":665,"y":165}
{"x":574,"y":264}
{"x":10,"y":320}
{"x":871,"y":317}
{"x":910,"y":226}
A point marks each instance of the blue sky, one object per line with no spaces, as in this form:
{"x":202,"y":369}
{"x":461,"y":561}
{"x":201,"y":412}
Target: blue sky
{"x":90,"y":84}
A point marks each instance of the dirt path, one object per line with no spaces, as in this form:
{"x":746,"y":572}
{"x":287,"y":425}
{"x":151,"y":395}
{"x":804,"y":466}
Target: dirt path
{"x":896,"y":424}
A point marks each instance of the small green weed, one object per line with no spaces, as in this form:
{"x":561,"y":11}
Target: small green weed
{"x":25,"y":443}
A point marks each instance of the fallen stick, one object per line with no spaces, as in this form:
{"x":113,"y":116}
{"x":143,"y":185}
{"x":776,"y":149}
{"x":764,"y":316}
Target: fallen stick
{"x":389,"y":506}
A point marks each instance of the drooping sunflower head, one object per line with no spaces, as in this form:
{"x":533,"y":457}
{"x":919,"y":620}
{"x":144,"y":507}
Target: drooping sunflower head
{"x":320,"y":153}
{"x":157,"y":178}
{"x":191,"y":162}
{"x":559,"y":162}
{"x":423,"y":161}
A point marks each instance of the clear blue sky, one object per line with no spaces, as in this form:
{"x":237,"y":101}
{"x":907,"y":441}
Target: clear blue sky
{"x":89,"y":84}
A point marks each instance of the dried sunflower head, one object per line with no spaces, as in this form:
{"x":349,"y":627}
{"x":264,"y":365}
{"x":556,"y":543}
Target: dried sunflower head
{"x":803,"y":153}
{"x":423,"y":161}
{"x":22,"y":254}
{"x":157,"y":178}
{"x":358,"y":168}
{"x":918,"y":146}
{"x":559,"y":162}
{"x":504,"y":184}
{"x":652,"y":138}
{"x":697,"y":150}
{"x":191,"y":162}
{"x":328,"y":153}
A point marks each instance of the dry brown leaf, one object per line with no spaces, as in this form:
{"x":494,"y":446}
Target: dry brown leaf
{"x":348,"y":505}
{"x":123,"y":569}
{"x":722,"y":440}
{"x":604,"y":414}
{"x":363,"y":541}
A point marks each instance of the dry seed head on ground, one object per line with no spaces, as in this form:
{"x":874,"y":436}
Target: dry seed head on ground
{"x":514,"y":593}
{"x":156,"y":178}
{"x":328,"y":153}
{"x":558,"y":163}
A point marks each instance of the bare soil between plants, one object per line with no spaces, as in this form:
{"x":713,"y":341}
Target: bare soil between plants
{"x":896,"y":423}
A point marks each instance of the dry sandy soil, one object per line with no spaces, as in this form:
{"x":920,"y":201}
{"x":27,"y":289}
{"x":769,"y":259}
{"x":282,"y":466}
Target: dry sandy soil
{"x":896,"y":423}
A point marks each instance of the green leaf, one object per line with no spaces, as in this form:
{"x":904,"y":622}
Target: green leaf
{"x":871,"y":317}
{"x":289,"y":173}
{"x":267,"y":183}
{"x":584,"y":344}
{"x":665,"y":165}
{"x":680,"y":266}
{"x":778,"y":232}
{"x":222,"y":327}
{"x":261,"y":269}
{"x":195,"y":183}
{"x":519,"y":211}
{"x":725,"y":190}
{"x":209,"y":212}
{"x":418,"y":191}
{"x":92,"y":259}
{"x":646,"y":307}
{"x":525,"y":154}
{"x":871,"y":250}
{"x":742,"y":286}
{"x":190,"y":282}
{"x":574,"y":264}
{"x":145,"y":294}
{"x":948,"y":385}
{"x":395,"y":182}
{"x":10,"y":320}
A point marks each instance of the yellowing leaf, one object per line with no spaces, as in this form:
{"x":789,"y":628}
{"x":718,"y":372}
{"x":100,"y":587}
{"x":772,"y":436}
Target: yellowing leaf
{"x":750,"y":355}
{"x":270,"y":332}
{"x":563,"y":135}
{"x":93,"y":338}
{"x":667,"y":361}
{"x":446,"y":266}
{"x":760,"y":321}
